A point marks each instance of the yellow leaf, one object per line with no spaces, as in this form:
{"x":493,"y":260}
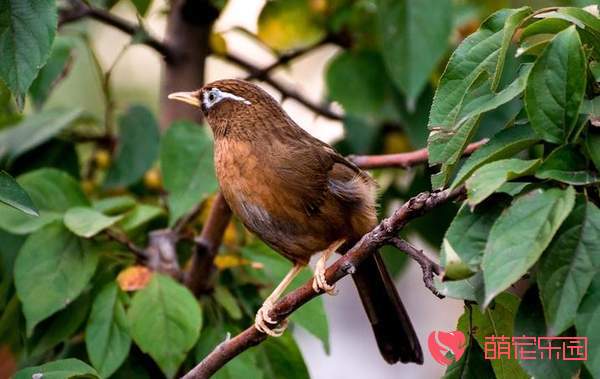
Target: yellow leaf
{"x":134,"y":278}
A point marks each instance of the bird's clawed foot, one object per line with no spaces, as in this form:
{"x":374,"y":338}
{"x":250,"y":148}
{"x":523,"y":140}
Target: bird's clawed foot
{"x":265,"y":324}
{"x":319,"y":282}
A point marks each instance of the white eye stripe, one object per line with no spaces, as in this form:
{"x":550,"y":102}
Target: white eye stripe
{"x":227,"y":95}
{"x":215,"y":95}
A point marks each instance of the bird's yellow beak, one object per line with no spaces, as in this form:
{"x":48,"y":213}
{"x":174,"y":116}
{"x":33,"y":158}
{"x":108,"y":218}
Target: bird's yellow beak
{"x":186,"y":97}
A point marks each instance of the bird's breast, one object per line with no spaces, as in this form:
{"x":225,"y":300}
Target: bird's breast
{"x":244,"y":176}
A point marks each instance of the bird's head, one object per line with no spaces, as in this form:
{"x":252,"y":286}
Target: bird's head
{"x":223,"y":102}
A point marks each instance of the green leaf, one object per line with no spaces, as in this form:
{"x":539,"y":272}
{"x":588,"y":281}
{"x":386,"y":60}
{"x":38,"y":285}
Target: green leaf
{"x":490,"y":177}
{"x":115,"y":204}
{"x":495,"y":321}
{"x":34,"y":131}
{"x":165,"y":321}
{"x":478,"y":57}
{"x":137,"y":148}
{"x":595,"y":70}
{"x":592,"y":146}
{"x":569,"y":265}
{"x":10,"y":246}
{"x":505,"y":144}
{"x":544,"y":26}
{"x":521,"y":234}
{"x":466,"y":289}
{"x":11,"y":315}
{"x":586,"y":323}
{"x":534,"y":45}
{"x":529,"y":321}
{"x":281,"y":358}
{"x":58,"y":63}
{"x":8,"y":112}
{"x":311,"y":316}
{"x":60,"y":327}
{"x":142,"y":6}
{"x":27,"y":29}
{"x":366,"y":92}
{"x":51,"y":270}
{"x":62,"y":369}
{"x":16,"y":222}
{"x":289,"y":25}
{"x":228,"y":302}
{"x":52,"y":191}
{"x":556,"y":87}
{"x":186,"y":160}
{"x":87,"y":222}
{"x":467,"y":235}
{"x":12,"y":194}
{"x":106,"y":336}
{"x":587,"y":19}
{"x":472,"y":365}
{"x":487,"y":101}
{"x":410,"y":50}
{"x":566,"y":164}
{"x":138,"y":216}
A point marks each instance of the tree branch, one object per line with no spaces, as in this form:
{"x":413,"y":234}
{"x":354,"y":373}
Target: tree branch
{"x":403,"y":160}
{"x":261,"y":74}
{"x":257,"y":72}
{"x":189,"y":25}
{"x":345,"y":265}
{"x":428,"y":266}
{"x":199,"y":277}
{"x":80,"y":10}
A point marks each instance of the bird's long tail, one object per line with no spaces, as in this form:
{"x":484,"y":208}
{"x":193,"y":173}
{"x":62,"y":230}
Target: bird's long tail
{"x":393,"y":330}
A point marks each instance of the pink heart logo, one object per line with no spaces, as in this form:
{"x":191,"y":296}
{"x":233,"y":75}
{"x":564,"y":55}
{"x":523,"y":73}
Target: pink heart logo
{"x":441,"y":343}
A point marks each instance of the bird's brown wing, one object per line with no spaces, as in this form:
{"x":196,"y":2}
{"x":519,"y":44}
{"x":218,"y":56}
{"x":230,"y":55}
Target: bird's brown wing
{"x":313,"y":173}
{"x":303,"y":173}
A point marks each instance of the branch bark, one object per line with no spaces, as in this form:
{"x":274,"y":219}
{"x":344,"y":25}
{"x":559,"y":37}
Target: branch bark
{"x":185,"y":49}
{"x":345,"y":265}
{"x":188,"y":31}
{"x":403,"y":160}
{"x":428,"y":266}
{"x":199,"y":277}
{"x":283,"y":59}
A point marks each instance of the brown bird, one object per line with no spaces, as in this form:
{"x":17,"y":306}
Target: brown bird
{"x":302,"y":198}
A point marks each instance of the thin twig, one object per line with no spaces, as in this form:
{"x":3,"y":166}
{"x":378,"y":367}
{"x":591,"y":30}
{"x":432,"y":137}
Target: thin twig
{"x":369,"y":243}
{"x":116,"y":236}
{"x":80,"y":10}
{"x":403,"y":160}
{"x":285,"y":91}
{"x":188,"y":218}
{"x":428,"y":266}
{"x":283,"y":59}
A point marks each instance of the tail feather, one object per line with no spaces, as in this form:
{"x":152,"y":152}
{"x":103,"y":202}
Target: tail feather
{"x":392,"y":327}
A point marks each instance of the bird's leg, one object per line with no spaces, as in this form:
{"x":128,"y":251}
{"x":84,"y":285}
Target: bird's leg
{"x":262,"y":316}
{"x":319,"y":282}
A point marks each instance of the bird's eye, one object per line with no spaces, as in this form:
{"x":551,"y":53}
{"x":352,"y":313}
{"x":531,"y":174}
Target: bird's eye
{"x":211,"y":97}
